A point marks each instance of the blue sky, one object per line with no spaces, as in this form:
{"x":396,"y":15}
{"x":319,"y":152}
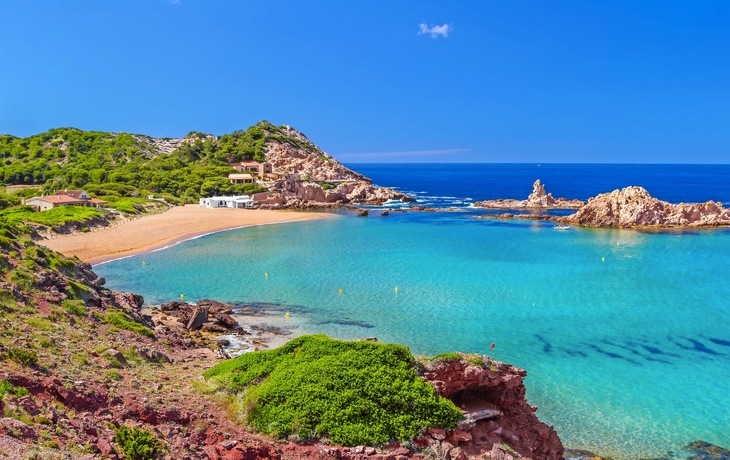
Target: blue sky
{"x":497,"y":81}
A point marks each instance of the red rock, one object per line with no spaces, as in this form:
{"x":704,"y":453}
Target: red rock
{"x":198,"y":318}
{"x":211,"y":452}
{"x":27,"y":403}
{"x":236,"y":454}
{"x":457,"y":436}
{"x":457,"y":453}
{"x":16,"y":428}
{"x":493,"y":397}
{"x":438,"y":433}
{"x":634,"y":207}
{"x":104,"y":446}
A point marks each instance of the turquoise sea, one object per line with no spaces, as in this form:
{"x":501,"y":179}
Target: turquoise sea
{"x":625,"y":334}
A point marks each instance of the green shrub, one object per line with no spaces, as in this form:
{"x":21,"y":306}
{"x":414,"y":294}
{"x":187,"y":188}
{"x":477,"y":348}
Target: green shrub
{"x":137,"y":444}
{"x":6,"y":387}
{"x":78,"y":290}
{"x":40,"y":324}
{"x":23,"y":278}
{"x":21,"y":391}
{"x":113,"y":374}
{"x":355,"y":393}
{"x":112,"y":361}
{"x":74,"y":307}
{"x":24,"y":357}
{"x":475,"y":360}
{"x":447,"y":357}
{"x":122,"y":321}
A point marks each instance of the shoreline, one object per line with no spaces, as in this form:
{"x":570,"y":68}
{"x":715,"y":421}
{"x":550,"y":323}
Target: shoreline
{"x":160,"y":231}
{"x":177,"y":240}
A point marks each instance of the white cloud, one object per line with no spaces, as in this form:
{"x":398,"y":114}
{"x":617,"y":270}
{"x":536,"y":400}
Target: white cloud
{"x":435,"y":31}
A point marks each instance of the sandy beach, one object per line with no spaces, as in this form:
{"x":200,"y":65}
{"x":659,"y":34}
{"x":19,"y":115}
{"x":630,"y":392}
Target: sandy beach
{"x":156,"y":231}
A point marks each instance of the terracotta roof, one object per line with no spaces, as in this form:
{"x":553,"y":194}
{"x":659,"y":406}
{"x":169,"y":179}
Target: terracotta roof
{"x":65,"y":199}
{"x":73,"y":193}
{"x":58,"y":199}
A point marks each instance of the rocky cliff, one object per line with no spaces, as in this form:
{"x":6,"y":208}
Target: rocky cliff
{"x":635,"y":207}
{"x":538,"y":199}
{"x":291,"y":152}
{"x":498,"y":422}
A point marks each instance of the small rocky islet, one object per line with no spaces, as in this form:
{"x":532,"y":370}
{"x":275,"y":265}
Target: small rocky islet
{"x":630,"y":207}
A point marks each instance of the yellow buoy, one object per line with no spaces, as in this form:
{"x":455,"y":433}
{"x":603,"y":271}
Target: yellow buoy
{"x":287,"y":314}
{"x":340,"y":291}
{"x":617,"y":243}
{"x":266,"y":275}
{"x":144,"y":263}
{"x":182,"y":296}
{"x":396,"y":289}
{"x":603,"y":259}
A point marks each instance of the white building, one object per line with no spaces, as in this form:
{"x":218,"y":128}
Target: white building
{"x":241,"y":201}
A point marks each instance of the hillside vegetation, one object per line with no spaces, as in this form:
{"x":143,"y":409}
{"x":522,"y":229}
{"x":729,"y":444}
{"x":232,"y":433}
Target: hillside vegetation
{"x":350,"y":392}
{"x":121,"y":164}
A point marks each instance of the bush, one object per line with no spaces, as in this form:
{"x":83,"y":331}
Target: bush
{"x":20,"y":356}
{"x":122,"y":321}
{"x":137,"y":444}
{"x":112,"y":361}
{"x":78,"y":290}
{"x":74,"y":307}
{"x":113,"y":374}
{"x":355,"y":393}
{"x":447,"y":357}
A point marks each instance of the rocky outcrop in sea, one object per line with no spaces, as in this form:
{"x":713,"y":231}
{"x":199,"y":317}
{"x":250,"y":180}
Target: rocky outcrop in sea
{"x":635,"y":207}
{"x":538,"y":199}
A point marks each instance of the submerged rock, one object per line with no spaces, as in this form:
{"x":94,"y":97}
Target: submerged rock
{"x":705,"y":451}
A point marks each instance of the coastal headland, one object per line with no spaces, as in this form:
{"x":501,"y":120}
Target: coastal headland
{"x":157,"y":231}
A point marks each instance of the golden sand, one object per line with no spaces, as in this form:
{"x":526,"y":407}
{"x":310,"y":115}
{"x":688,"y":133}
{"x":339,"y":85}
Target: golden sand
{"x":159,"y":230}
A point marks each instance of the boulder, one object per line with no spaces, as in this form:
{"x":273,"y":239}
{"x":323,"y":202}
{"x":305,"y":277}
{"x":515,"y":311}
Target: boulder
{"x":198,"y":318}
{"x":213,"y":327}
{"x":117,"y":355}
{"x":26,"y":402}
{"x":17,"y":429}
{"x":226,"y":320}
{"x":214,"y":306}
